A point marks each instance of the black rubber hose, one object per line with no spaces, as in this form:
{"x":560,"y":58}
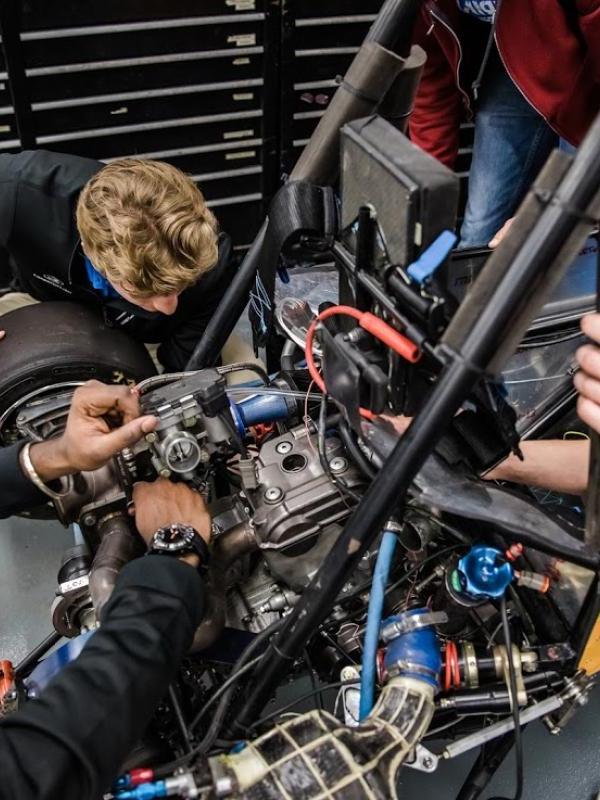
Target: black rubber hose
{"x":355,"y":453}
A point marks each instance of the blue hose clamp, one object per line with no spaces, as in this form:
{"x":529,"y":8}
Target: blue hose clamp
{"x":413,"y":649}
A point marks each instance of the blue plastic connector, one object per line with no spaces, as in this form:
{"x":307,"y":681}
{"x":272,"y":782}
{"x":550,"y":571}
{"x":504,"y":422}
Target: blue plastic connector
{"x":484,"y":572}
{"x":432,"y":258}
{"x":416,"y":653}
{"x":259,"y":408}
{"x":146,"y":791}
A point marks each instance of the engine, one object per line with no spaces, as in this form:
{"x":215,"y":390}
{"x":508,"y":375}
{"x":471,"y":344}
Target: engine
{"x":275,"y":497}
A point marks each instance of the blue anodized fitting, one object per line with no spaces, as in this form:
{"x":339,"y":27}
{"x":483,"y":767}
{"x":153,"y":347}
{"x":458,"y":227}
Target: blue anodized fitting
{"x":484,"y":572}
{"x":146,"y":791}
{"x":413,"y":649}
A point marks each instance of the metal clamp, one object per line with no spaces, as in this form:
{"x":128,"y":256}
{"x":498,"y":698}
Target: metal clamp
{"x":415,"y":622}
{"x":423,"y":760}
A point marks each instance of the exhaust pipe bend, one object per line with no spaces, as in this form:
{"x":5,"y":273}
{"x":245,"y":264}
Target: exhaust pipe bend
{"x":118,"y":545}
{"x":228,"y":547}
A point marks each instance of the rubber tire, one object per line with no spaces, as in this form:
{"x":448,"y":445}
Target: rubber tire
{"x":49,"y":343}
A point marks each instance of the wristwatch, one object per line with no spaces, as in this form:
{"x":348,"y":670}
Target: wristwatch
{"x":179,"y":540}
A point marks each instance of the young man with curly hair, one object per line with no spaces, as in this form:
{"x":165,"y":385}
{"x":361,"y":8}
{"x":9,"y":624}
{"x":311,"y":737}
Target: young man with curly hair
{"x":133,"y":238}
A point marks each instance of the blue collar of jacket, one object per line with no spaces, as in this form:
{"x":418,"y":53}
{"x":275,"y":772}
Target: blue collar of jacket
{"x":97,"y":281}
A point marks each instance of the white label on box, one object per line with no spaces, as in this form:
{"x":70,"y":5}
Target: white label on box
{"x":239,"y":134}
{"x":242,"y":39}
{"x":241,"y":5}
{"x":240,"y":154}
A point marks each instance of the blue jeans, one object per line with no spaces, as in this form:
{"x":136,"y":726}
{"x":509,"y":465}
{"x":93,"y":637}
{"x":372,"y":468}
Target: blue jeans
{"x":512,"y":142}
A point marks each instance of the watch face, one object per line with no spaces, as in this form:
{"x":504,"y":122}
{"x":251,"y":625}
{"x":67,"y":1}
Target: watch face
{"x":174,"y":539}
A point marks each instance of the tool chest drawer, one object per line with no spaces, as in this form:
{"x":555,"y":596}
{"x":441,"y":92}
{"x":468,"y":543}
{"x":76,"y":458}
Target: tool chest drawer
{"x":152,"y":105}
{"x":47,"y":14}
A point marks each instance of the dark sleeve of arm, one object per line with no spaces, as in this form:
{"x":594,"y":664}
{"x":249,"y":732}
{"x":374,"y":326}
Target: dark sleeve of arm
{"x":17,"y":493}
{"x":9,"y":176}
{"x":71,"y":742}
{"x":203,"y":301}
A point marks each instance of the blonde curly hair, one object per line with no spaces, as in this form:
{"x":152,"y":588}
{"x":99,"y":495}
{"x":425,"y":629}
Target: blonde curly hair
{"x":145,"y":226}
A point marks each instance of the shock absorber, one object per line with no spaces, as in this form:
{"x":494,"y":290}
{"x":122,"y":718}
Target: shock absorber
{"x":469,"y":666}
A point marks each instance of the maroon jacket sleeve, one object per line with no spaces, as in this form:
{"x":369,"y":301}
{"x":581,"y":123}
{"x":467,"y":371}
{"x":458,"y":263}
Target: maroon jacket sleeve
{"x":435,"y":121}
{"x":589,"y":22}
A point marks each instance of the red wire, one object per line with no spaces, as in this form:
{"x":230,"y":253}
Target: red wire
{"x":375,"y":326}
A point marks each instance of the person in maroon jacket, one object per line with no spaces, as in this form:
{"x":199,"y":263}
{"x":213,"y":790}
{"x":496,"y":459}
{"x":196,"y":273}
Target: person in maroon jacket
{"x":526,"y":72}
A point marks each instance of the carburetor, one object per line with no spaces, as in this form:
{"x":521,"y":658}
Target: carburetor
{"x":194,"y":422}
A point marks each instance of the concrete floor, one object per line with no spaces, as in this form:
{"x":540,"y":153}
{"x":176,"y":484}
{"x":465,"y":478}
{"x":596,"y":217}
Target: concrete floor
{"x":561,"y":767}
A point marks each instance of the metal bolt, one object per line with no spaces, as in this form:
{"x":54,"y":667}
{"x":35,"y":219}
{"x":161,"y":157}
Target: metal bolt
{"x":151,"y":437}
{"x":274,"y":494}
{"x":428,"y":762}
{"x":348,"y":674}
{"x":89,"y":520}
{"x":165,"y":473}
{"x":283,"y":448}
{"x":21,"y":418}
{"x":338,"y":464}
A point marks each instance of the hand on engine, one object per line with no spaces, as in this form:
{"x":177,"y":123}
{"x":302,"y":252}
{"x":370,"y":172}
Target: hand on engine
{"x":162,"y":503}
{"x":89,"y":441}
{"x":587,"y":381}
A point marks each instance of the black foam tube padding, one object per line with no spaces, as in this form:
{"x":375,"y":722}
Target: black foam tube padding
{"x":230,"y":308}
{"x":393,"y":28}
{"x":398,"y":103}
{"x":368,"y":80}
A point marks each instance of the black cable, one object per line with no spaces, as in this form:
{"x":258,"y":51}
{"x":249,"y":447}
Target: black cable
{"x":230,"y":682}
{"x":354,"y":451}
{"x":245,"y":367}
{"x":337,"y":481}
{"x":512,"y":682}
{"x":31,"y":660}
{"x":300,"y":699}
{"x":420,"y":566}
{"x":185,"y":734}
{"x":225,"y":692}
{"x":167,"y":769}
{"x":365,"y":587}
{"x":314,"y":679}
{"x":226,"y":696}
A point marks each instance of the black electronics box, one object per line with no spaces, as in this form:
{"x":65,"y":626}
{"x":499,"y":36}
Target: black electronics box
{"x":415,"y":196}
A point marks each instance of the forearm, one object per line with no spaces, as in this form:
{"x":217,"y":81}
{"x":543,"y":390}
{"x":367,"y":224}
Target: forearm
{"x":72,"y":741}
{"x":561,"y":466}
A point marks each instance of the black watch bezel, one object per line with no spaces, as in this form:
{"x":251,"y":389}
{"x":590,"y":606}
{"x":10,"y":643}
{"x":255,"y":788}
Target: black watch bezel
{"x":179,"y":539}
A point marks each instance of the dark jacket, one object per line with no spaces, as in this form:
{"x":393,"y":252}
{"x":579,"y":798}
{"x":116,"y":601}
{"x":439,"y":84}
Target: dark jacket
{"x":38,"y":197}
{"x":550,"y":49}
{"x":71,"y":741}
{"x":17,"y":492}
